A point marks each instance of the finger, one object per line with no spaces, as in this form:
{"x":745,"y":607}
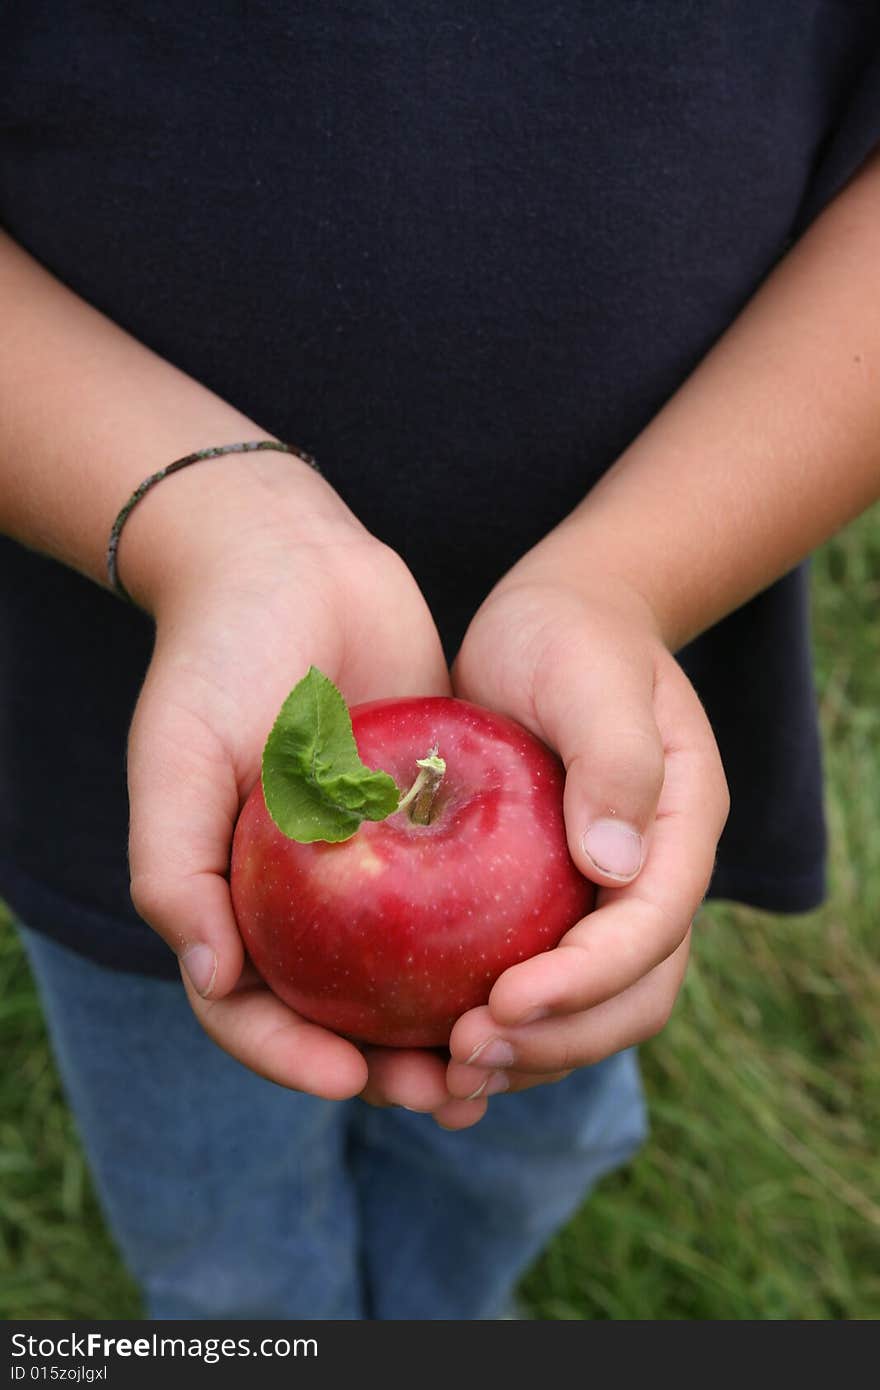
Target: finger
{"x":473,"y":1082}
{"x":600,"y":957}
{"x":460,"y":1114}
{"x":637,"y":926}
{"x":263,"y":1034}
{"x":574,"y":1040}
{"x":599,"y":716}
{"x":417,"y":1081}
{"x":409,"y":1078}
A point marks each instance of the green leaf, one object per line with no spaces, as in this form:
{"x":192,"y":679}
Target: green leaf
{"x":315,"y":785}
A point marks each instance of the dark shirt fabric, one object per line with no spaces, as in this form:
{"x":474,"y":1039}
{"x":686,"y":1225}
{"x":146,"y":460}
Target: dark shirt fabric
{"x":462,"y":254}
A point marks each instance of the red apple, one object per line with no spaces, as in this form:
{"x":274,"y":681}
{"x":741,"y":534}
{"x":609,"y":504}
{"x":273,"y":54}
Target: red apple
{"x":391,"y":935}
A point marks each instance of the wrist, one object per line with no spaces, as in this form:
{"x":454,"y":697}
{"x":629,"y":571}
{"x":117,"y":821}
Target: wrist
{"x":218,"y":520}
{"x":566,"y":561}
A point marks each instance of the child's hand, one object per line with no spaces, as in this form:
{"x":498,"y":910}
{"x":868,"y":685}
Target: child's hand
{"x":256,"y":598}
{"x":645,"y":803}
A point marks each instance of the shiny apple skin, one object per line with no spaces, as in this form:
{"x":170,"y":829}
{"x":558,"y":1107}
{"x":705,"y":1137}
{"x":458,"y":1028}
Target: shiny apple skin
{"x":390,"y":936}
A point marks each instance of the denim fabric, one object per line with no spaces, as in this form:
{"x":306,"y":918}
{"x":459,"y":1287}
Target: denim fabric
{"x":231,"y":1197}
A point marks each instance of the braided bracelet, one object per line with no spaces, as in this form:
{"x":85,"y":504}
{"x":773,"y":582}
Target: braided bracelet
{"x":253,"y":446}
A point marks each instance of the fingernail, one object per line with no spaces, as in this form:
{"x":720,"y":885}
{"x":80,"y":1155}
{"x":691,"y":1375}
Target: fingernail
{"x":614,"y":848}
{"x":474,"y":1095}
{"x":200,"y":964}
{"x":494,"y":1052}
{"x":495,"y":1082}
{"x":498,"y":1082}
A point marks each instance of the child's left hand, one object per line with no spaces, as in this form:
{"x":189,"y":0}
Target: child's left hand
{"x":645,"y":803}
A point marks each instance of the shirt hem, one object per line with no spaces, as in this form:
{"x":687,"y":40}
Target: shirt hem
{"x":790,"y":894}
{"x":113,"y":941}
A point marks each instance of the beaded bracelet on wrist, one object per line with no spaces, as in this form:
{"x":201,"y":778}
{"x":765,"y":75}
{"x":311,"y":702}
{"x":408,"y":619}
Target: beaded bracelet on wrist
{"x":143,"y":488}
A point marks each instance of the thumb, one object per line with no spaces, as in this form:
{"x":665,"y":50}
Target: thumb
{"x":599,"y":716}
{"x":184,"y":802}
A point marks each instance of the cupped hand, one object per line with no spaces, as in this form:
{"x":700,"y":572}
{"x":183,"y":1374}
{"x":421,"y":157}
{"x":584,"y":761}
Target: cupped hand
{"x":645,"y":803}
{"x":278,"y":578}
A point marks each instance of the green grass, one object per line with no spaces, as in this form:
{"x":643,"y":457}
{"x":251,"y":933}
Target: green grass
{"x":758,"y":1195}
{"x":56,"y":1260}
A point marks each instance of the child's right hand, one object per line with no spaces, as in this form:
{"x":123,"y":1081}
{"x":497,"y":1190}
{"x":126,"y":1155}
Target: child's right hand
{"x":256,"y":594}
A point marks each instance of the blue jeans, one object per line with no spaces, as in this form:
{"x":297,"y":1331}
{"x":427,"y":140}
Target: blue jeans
{"x":230,"y":1197}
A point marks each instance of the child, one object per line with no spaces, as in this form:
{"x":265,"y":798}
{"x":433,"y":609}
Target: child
{"x":579,"y":317}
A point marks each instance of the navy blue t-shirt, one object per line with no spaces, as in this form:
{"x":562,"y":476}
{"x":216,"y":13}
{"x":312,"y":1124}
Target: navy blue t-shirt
{"x":462,"y":254}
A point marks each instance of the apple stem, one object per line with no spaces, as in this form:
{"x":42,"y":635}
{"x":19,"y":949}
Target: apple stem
{"x":421,"y":794}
